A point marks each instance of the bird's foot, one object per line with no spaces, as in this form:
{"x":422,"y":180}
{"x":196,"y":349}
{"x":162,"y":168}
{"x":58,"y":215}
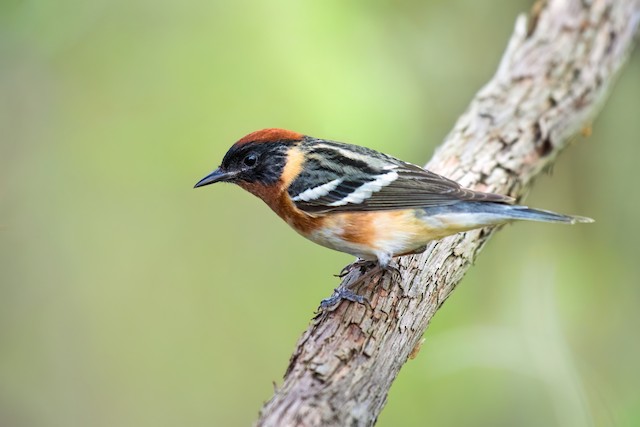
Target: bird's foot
{"x":340,"y":293}
{"x":368,"y":269}
{"x":393,"y":270}
{"x":362,"y":264}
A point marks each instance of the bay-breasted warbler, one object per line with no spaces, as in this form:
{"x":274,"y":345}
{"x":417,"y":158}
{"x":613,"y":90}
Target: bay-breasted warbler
{"x":360,"y":201}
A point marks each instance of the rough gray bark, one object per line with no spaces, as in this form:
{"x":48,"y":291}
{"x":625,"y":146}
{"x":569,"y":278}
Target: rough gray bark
{"x":558,"y":67}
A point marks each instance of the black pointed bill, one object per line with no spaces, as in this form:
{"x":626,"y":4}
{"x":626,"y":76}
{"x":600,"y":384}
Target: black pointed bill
{"x":215,"y":176}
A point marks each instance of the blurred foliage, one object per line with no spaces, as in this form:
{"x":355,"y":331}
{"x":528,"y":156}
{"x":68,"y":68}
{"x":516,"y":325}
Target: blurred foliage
{"x":129,"y":299}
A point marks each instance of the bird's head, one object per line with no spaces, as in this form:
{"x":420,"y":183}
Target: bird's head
{"x":257,"y":159}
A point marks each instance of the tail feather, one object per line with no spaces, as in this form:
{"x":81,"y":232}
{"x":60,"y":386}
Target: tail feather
{"x":528,"y":214}
{"x":489,"y":213}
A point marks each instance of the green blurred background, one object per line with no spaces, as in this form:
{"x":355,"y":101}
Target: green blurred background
{"x":129,"y":299}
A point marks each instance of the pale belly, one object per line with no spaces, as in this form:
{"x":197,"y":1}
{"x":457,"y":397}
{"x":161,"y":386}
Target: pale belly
{"x":382,"y":235}
{"x":372,"y":236}
{"x":333,"y":239}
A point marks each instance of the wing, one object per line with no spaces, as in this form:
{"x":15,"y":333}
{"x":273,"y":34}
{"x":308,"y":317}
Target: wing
{"x":331,"y":184}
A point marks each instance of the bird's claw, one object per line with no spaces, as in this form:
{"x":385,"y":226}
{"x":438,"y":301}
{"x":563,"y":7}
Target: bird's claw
{"x":360,"y":263}
{"x":341,"y":293}
{"x":394,"y":270}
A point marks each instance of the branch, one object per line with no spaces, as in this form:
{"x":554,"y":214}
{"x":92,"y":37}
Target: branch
{"x":556,"y":72}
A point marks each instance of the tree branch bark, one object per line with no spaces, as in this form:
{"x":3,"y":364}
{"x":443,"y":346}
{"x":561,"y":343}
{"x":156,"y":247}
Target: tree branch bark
{"x":556,"y":72}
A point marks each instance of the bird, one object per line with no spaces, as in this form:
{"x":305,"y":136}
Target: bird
{"x":360,"y":201}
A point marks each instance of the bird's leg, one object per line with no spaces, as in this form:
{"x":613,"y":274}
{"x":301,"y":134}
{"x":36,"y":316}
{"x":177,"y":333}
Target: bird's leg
{"x":393,"y":270}
{"x":384,"y":261}
{"x":340,"y":293}
{"x":362,"y":264}
{"x":344,"y":290}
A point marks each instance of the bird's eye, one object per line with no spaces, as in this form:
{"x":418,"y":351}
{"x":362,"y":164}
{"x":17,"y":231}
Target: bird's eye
{"x":250,"y":159}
